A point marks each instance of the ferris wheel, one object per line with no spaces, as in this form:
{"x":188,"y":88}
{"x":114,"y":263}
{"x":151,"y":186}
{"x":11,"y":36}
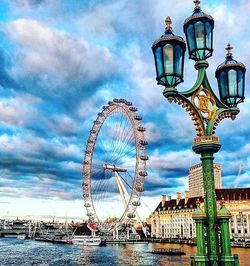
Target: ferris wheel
{"x":114,"y":166}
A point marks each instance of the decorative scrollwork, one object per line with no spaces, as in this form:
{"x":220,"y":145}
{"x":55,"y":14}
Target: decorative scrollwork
{"x":205,"y":103}
{"x":221,"y":116}
{"x":191,"y":110}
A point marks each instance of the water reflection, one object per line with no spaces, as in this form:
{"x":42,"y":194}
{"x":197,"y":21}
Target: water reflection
{"x":18,"y":252}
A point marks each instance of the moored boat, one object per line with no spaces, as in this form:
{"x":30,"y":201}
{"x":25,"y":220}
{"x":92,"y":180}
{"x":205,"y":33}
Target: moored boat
{"x":168,"y":251}
{"x":54,"y":238}
{"x":56,"y":241}
{"x":22,"y":237}
{"x":88,"y":240}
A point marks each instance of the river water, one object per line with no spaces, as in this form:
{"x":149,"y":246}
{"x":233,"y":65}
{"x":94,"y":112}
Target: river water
{"x":29,"y":252}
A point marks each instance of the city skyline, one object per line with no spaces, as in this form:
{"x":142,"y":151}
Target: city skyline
{"x":62,"y":61}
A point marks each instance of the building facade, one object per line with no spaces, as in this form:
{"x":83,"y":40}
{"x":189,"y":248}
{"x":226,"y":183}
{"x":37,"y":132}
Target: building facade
{"x":173,"y":217}
{"x":195,"y":179}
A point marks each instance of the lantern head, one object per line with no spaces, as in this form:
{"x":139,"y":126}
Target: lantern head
{"x":169,"y":53}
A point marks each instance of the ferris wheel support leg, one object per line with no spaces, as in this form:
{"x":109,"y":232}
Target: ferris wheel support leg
{"x":144,"y":229}
{"x":128,"y":233}
{"x":117,"y":234}
{"x":122,"y":189}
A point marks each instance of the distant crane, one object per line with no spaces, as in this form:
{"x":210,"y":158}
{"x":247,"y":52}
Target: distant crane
{"x":237,"y":180}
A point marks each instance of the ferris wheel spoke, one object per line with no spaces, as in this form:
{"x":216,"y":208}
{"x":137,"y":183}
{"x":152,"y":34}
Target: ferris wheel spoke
{"x":123,"y":150}
{"x":118,"y":145}
{"x":127,"y":141}
{"x":127,"y":134}
{"x":121,"y":129}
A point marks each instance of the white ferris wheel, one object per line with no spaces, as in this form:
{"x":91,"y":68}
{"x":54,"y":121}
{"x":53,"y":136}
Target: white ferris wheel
{"x":114,"y":166}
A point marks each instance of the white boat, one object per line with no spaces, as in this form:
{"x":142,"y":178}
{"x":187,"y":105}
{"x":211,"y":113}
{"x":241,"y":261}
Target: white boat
{"x":88,"y":240}
{"x":22,"y":237}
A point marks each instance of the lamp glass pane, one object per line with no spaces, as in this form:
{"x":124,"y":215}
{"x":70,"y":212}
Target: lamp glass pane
{"x":178,"y":60}
{"x":199,"y":32}
{"x":200,"y":39}
{"x":159,"y":63}
{"x":208,"y":35}
{"x":168,"y":54}
{"x":231,"y":101}
{"x":232,"y":82}
{"x":223,"y":85}
{"x":171,"y":80}
{"x":191,"y":38}
{"x":240,"y":84}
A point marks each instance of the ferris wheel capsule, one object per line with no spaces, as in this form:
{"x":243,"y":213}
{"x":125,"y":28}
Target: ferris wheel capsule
{"x":136,"y":203}
{"x":138,"y":117}
{"x":139,"y":188}
{"x":143,"y":173}
{"x":131,"y":215}
{"x":141,"y":129}
{"x":144,"y":158}
{"x":133,"y":109}
{"x":143,"y":142}
{"x":128,"y":103}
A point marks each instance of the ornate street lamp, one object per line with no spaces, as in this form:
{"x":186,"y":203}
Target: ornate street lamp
{"x":199,"y":34}
{"x":169,"y":53}
{"x":205,"y":109}
{"x":231,"y":80}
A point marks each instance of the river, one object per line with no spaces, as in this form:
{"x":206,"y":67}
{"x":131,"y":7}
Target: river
{"x":29,"y":252}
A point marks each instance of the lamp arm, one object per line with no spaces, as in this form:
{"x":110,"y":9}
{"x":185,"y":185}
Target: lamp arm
{"x":221,"y":113}
{"x":192,"y":111}
{"x":207,"y":85}
{"x":198,"y":83}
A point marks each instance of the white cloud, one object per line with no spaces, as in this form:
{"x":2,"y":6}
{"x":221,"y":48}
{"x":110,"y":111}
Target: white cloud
{"x":172,"y":160}
{"x":88,"y":107}
{"x":19,"y":110}
{"x":152,"y":134}
{"x":63,"y":124}
{"x":29,"y":145}
{"x":55,"y":57}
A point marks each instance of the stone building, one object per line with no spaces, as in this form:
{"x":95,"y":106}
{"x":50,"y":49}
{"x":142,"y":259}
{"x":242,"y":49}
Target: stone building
{"x":172,"y":218}
{"x":195,"y":179}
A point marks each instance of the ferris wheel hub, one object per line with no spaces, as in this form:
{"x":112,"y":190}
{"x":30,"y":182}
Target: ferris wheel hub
{"x":113,"y":168}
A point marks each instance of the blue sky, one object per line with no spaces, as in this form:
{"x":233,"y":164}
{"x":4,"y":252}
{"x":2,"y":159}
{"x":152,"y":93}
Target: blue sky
{"x":61,"y":61}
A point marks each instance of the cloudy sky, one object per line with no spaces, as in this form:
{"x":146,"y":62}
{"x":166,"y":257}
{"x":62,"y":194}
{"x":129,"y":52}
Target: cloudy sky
{"x":61,"y":61}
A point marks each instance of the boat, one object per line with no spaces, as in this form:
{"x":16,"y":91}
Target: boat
{"x":88,"y":240}
{"x":169,"y":251}
{"x":22,"y":236}
{"x":54,"y":239}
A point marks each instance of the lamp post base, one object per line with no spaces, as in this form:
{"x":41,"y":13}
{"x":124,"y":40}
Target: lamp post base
{"x":199,"y":260}
{"x":229,"y":260}
{"x":213,"y":260}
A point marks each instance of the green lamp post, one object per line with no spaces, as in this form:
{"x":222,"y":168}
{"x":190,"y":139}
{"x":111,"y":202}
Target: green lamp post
{"x":203,"y":106}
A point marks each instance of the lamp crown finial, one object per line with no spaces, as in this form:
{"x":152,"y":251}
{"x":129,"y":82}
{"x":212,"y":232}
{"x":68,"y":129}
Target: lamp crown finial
{"x":168,"y":22}
{"x":197,"y":5}
{"x":229,"y":50}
